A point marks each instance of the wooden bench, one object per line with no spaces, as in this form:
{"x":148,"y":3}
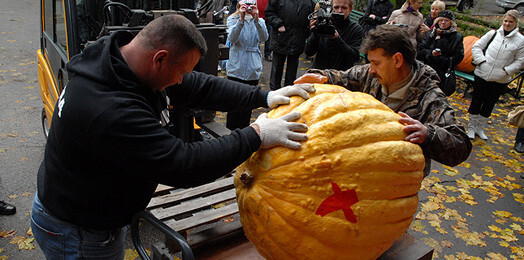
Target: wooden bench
{"x":355,"y":15}
{"x":469,"y":78}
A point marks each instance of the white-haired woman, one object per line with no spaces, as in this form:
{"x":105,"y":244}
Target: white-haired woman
{"x":499,"y":54}
{"x":436,"y":7}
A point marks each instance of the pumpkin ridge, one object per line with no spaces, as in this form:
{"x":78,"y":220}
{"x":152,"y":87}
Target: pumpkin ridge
{"x":293,"y":156}
{"x":328,"y":241}
{"x":305,"y":201}
{"x":372,"y":160}
{"x":295,"y":225}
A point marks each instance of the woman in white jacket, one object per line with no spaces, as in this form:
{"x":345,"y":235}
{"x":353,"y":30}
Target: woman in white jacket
{"x":499,"y":55}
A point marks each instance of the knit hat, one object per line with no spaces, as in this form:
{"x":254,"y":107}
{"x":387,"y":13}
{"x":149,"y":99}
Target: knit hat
{"x":447,"y":14}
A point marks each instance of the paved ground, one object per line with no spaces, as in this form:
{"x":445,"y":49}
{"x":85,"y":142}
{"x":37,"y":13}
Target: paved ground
{"x":474,"y":209}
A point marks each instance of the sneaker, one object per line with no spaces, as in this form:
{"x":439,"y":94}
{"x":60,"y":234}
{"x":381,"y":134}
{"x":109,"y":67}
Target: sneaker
{"x":268,"y":58}
{"x":519,"y":147}
{"x":7,"y":209}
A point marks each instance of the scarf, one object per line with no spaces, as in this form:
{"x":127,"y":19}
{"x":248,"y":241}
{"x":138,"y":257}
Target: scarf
{"x":437,"y":32}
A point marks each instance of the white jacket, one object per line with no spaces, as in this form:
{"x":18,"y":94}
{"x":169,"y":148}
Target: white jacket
{"x":504,"y":54}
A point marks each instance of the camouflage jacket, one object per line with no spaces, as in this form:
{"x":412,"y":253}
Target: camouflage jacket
{"x":447,"y":142}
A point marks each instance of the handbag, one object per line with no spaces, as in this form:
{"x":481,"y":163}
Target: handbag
{"x":485,"y":48}
{"x":516,"y":117}
{"x":449,"y":82}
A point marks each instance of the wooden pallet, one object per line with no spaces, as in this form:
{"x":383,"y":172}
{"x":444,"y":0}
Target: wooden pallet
{"x":201,"y":214}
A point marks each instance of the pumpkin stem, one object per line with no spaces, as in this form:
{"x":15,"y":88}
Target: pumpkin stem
{"x":246,"y":178}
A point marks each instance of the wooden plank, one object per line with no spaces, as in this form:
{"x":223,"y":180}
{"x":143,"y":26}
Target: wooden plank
{"x":196,"y":204}
{"x":162,"y":187}
{"x":407,"y":248}
{"x":235,"y":248}
{"x":192,"y":192}
{"x":223,"y":230}
{"x":465,"y":75}
{"x":202,"y":218}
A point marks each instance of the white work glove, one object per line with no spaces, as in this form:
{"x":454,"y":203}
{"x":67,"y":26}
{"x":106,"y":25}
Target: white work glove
{"x":281,"y":96}
{"x":281,"y":131}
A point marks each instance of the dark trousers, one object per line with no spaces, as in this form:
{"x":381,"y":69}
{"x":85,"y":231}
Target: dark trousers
{"x":267,"y":47}
{"x":277,"y":69}
{"x":239,"y":118}
{"x":520,"y":136}
{"x":485,"y":96}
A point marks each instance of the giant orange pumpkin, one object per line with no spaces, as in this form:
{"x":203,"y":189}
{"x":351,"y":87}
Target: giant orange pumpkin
{"x":349,"y":193}
{"x":465,"y":64}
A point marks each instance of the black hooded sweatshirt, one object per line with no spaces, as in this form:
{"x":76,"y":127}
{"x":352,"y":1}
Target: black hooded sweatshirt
{"x":107,"y":149}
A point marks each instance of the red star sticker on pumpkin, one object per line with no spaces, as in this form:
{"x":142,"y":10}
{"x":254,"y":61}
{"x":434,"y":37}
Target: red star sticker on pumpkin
{"x":340,"y":200}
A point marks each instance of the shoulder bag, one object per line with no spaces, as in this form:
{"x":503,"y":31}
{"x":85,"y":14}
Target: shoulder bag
{"x":449,"y":82}
{"x":484,"y":50}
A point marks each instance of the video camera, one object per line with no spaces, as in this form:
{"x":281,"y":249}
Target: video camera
{"x":325,"y":25}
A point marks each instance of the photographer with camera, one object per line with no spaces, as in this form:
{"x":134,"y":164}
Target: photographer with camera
{"x":335,"y":39}
{"x":245,"y":32}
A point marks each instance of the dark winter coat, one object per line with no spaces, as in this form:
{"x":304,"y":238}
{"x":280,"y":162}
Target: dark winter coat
{"x":429,"y":21}
{"x":340,"y":53}
{"x":451,"y":46}
{"x":381,"y":9}
{"x":293,"y":15}
{"x":447,"y":142}
{"x":107,"y":149}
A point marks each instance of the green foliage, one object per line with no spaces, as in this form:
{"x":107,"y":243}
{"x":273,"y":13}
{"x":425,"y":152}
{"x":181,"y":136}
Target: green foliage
{"x":487,"y":23}
{"x":471,"y":29}
{"x":360,"y":5}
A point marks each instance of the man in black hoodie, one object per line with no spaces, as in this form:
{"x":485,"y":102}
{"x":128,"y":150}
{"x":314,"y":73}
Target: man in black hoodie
{"x":340,"y":50}
{"x":107,"y":149}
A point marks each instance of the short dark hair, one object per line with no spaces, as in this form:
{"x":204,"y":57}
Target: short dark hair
{"x":392,"y":39}
{"x":174,"y":32}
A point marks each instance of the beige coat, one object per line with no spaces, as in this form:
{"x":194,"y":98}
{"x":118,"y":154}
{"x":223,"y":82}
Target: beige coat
{"x":414,"y":20}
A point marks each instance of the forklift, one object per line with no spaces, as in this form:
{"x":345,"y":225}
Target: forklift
{"x":68,"y":26}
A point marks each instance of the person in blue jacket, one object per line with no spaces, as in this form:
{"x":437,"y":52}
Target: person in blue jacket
{"x":245,"y":33}
{"x":108,"y":149}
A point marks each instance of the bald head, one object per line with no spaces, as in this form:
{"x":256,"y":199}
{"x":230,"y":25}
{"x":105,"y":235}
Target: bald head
{"x":165,"y":50}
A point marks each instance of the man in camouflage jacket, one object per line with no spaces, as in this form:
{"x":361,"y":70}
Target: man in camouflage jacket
{"x":394,"y":77}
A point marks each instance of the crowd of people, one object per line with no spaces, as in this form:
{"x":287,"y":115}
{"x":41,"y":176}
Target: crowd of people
{"x":108,"y":148}
{"x":436,"y":39}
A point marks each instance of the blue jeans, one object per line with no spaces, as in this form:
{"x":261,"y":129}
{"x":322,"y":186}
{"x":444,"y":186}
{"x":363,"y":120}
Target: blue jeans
{"x":62,"y":240}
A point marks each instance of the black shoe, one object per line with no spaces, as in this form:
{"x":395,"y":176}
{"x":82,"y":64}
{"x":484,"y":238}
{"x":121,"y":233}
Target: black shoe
{"x":519,"y":147}
{"x":7,"y":209}
{"x":268,"y":58}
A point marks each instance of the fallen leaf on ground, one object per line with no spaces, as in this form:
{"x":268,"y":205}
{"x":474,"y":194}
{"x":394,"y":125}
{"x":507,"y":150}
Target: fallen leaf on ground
{"x":6,"y":234}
